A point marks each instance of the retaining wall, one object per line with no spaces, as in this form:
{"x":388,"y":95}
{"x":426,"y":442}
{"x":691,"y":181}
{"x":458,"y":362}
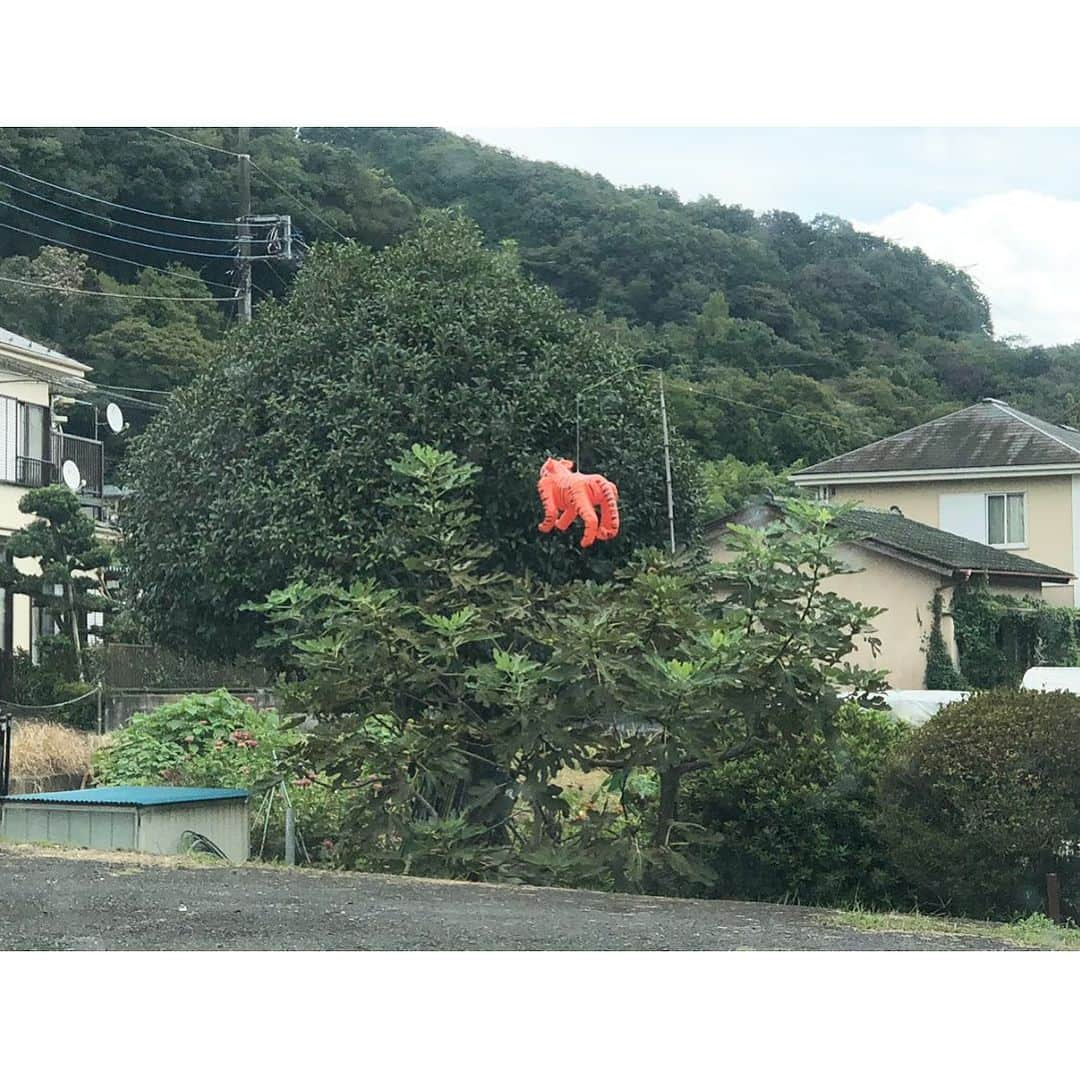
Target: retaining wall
{"x":119,"y":706}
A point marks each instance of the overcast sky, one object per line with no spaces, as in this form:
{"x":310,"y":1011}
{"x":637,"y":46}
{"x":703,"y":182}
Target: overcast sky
{"x":1003,"y":203}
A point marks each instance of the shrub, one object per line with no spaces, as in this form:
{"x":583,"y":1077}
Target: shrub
{"x":978,"y":805}
{"x":216,"y":740}
{"x":799,"y":822}
{"x":50,"y":681}
{"x":941,"y":673}
{"x":999,"y":637}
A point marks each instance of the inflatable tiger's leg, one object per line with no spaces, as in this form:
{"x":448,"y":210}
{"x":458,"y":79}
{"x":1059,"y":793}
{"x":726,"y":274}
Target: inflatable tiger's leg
{"x":547,"y":496}
{"x":587,"y":512}
{"x":566,"y":519}
{"x":609,"y":511}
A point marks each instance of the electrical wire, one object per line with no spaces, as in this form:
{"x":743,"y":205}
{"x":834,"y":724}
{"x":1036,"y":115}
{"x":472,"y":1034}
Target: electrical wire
{"x":148,"y":405}
{"x":125,"y":240}
{"x":140,"y":389}
{"x":195,"y":142}
{"x":763,"y":408}
{"x":127,"y":224}
{"x":299,"y":202}
{"x":103,"y":255}
{"x":122,"y":296}
{"x":115,"y":205}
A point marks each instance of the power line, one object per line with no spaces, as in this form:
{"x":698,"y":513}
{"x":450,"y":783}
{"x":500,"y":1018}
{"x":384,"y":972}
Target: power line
{"x":763,"y":408}
{"x":115,"y":205}
{"x":140,"y":389}
{"x":125,"y":240}
{"x":195,"y":142}
{"x":152,"y":405}
{"x":103,"y":255}
{"x":299,"y":202}
{"x":233,"y":154}
{"x":121,"y":224}
{"x":121,"y":296}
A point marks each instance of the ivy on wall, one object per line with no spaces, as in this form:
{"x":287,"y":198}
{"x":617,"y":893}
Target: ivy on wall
{"x":998,"y":637}
{"x":941,"y":673}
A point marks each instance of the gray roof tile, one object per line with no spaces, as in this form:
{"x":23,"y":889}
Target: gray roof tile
{"x":988,"y":435}
{"x":944,"y":548}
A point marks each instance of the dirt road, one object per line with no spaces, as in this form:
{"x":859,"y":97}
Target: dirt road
{"x":76,"y":900}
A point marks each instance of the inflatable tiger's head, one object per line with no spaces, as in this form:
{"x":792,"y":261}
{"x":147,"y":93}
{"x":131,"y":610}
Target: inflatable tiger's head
{"x":554,"y":465}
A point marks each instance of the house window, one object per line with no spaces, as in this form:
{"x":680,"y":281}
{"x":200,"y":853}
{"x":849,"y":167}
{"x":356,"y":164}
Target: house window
{"x":825,"y":492}
{"x":42,"y":625}
{"x":1006,"y":520}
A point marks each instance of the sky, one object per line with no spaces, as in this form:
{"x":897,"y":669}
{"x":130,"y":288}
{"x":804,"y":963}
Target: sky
{"x":1002,"y":203}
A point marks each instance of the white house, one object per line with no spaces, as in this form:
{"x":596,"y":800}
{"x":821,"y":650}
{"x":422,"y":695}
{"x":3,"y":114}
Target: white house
{"x":39,"y":389}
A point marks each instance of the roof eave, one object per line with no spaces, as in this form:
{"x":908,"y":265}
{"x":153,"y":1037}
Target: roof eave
{"x":54,"y":358}
{"x":897,"y":476}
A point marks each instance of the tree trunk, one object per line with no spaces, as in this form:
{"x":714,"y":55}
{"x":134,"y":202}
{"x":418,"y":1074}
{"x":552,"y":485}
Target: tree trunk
{"x":668,"y":806}
{"x":73,"y":616}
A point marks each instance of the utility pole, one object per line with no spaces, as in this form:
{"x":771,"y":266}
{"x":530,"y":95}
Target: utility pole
{"x":577,"y":436}
{"x":667,"y":465}
{"x":243,"y":237}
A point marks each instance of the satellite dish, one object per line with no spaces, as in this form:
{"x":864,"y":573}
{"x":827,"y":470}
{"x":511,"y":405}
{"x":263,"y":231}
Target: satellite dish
{"x":114,"y":416}
{"x":71,"y":475}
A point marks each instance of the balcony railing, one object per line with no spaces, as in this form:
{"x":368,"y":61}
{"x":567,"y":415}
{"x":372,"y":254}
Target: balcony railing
{"x":32,"y":472}
{"x":88,"y":454}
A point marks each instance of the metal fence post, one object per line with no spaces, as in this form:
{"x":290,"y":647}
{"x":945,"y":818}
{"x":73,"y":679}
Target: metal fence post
{"x":1053,"y":898}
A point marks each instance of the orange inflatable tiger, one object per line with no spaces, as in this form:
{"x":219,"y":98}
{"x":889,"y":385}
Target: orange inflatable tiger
{"x":568,"y":495}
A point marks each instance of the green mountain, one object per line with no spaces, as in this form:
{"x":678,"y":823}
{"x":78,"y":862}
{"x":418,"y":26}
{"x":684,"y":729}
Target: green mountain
{"x":784,"y":340}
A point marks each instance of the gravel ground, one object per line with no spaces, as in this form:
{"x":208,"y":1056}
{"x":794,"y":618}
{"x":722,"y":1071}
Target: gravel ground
{"x":55,"y":900}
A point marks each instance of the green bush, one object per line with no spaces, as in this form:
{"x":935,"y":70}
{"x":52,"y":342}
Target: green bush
{"x":998,"y":637}
{"x":978,"y":805}
{"x":800,"y":822}
{"x":941,"y":673}
{"x":53,"y":680}
{"x":216,"y":740}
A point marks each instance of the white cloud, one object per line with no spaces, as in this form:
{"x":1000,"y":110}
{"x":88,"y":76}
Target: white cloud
{"x":1022,"y":247}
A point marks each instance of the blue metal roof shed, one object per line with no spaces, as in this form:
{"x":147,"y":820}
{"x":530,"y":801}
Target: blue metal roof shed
{"x":150,"y":819}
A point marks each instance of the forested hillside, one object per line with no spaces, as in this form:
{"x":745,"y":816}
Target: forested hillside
{"x":784,"y":340}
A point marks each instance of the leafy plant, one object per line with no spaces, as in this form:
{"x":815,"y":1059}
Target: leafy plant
{"x":799,"y":821}
{"x":941,"y":673}
{"x":673,"y":678}
{"x":216,"y":740}
{"x":983,"y":801}
{"x":53,"y":680}
{"x":394,"y":666}
{"x":999,"y":636}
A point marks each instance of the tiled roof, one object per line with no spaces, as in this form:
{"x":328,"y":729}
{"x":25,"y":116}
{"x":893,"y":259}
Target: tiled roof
{"x":948,"y":550}
{"x":900,"y":536}
{"x":988,"y":435}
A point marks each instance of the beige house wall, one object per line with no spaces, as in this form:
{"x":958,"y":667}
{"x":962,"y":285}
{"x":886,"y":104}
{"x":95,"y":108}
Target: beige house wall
{"x":907,"y":593}
{"x":1050,"y":516}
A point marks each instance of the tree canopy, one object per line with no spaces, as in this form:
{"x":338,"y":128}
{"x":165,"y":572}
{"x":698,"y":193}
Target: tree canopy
{"x":269,"y":465}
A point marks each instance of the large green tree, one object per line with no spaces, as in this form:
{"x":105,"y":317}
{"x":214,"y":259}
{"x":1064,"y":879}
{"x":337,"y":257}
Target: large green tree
{"x":269,"y":466}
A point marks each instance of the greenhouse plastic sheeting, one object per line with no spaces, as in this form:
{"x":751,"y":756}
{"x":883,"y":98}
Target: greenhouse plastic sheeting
{"x":917,"y":706}
{"x":1052,"y":678}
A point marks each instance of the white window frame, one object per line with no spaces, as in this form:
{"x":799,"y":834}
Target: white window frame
{"x":1005,"y":518}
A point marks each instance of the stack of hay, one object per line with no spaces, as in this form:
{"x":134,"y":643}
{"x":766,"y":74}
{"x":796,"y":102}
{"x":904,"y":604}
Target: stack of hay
{"x":50,"y":757}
